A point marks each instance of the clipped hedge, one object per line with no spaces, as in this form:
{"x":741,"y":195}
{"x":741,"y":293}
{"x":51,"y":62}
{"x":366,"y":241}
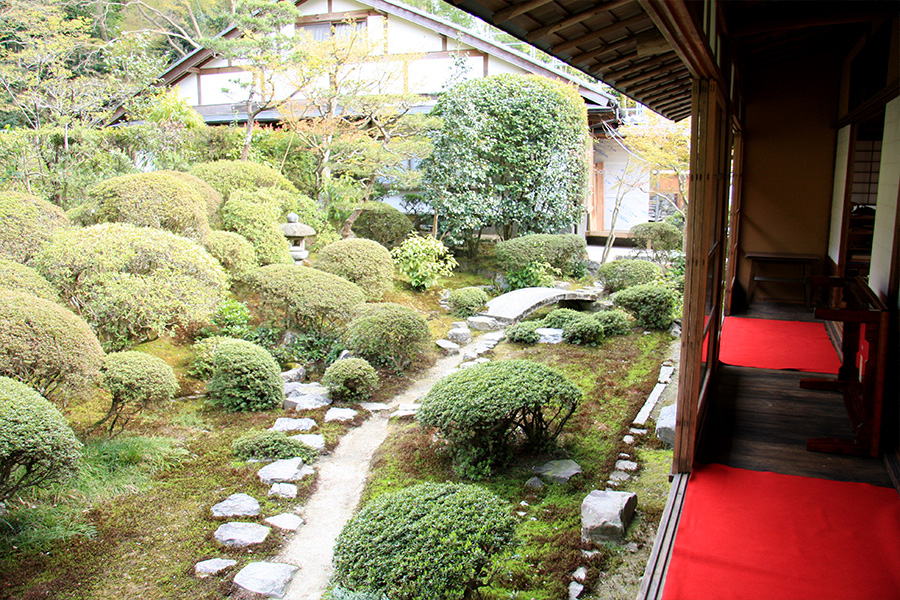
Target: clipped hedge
{"x":660,"y":237}
{"x":205,"y":355}
{"x":16,"y":276}
{"x":245,"y":378}
{"x":563,"y":251}
{"x":366,"y":263}
{"x":26,"y":225}
{"x":627,"y":272}
{"x":467,"y":302}
{"x":615,"y":322}
{"x":431,"y":541}
{"x":211,"y":197}
{"x":480,"y":410}
{"x":229,"y":176}
{"x":651,"y":305}
{"x":135,"y":381}
{"x":382,"y":223}
{"x":388,"y":334}
{"x":560,"y":317}
{"x":271,"y":445}
{"x":47,"y":347}
{"x":350,"y":379}
{"x":233,"y":251}
{"x":37,"y":446}
{"x":524,"y":332}
{"x":254,"y":216}
{"x":584,"y":331}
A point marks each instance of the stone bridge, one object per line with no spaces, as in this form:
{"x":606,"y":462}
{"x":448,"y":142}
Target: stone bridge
{"x":514,"y":306}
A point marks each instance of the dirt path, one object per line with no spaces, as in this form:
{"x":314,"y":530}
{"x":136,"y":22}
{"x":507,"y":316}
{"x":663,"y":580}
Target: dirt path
{"x":342,"y":476}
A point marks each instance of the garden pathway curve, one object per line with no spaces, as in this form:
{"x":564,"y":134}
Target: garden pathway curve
{"x":518,"y":304}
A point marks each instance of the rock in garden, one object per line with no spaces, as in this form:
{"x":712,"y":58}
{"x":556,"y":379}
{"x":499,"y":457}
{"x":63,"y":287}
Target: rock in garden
{"x":665,"y":425}
{"x":483,"y":323}
{"x":549,"y":335}
{"x":296,"y":389}
{"x":579,"y":574}
{"x":213,"y":566}
{"x":283,"y":490}
{"x":467,"y":364}
{"x":340,"y":414}
{"x":535,"y":484}
{"x":267,"y":578}
{"x":406,"y":410}
{"x":482,"y":360}
{"x":286,"y":521}
{"x":575,"y":590}
{"x":562,"y":285}
{"x":636,"y":431}
{"x":494,"y":336}
{"x":628,"y":439}
{"x":308,"y":402}
{"x":460,"y":335}
{"x":236,"y":505}
{"x":626,"y":465}
{"x":469,"y":355}
{"x":606,"y":514}
{"x":374,"y":406}
{"x":286,"y":424}
{"x":459,"y":325}
{"x":313,"y":440}
{"x":294,"y":375}
{"x":618,"y":477}
{"x":238,"y":535}
{"x":665,"y":374}
{"x":447,"y":347}
{"x":285,"y":470}
{"x":558,"y":471}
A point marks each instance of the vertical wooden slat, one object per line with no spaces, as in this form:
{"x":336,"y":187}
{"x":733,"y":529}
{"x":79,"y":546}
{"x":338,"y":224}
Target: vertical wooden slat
{"x":736,"y":182}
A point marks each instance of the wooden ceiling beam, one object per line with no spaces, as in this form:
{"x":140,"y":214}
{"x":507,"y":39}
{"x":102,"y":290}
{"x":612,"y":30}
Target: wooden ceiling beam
{"x":670,"y":103}
{"x":675,"y":23}
{"x":620,"y":60}
{"x":662,"y":69}
{"x":575,"y":19}
{"x":637,"y":67}
{"x":664,"y":93}
{"x":599,"y":33}
{"x":592,"y":54}
{"x":517,"y":9}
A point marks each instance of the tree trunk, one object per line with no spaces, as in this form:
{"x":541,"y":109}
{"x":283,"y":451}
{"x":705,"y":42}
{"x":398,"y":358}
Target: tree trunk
{"x":248,"y":133}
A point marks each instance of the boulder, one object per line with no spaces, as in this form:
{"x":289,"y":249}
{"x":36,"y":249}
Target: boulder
{"x":459,"y":325}
{"x":447,"y":347}
{"x":626,"y":465}
{"x":313,"y":440}
{"x":297,"y":389}
{"x":287,"y":424}
{"x":213,"y":566}
{"x":558,"y":471}
{"x":239,"y":535}
{"x":305,"y":396}
{"x":606,"y":514}
{"x":340,"y":414}
{"x":575,"y":590}
{"x":461,"y":335}
{"x":665,"y":425}
{"x":266,"y":578}
{"x":483,"y":323}
{"x":535,"y":484}
{"x":286,"y":521}
{"x":374,"y":406}
{"x":494,"y":336}
{"x":549,"y":335}
{"x":294,"y":375}
{"x":283,"y":490}
{"x":285,"y":470}
{"x":236,"y":505}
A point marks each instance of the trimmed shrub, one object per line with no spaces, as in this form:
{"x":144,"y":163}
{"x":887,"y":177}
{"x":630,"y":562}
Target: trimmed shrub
{"x":627,"y":272}
{"x":232,"y":319}
{"x":350,"y":379}
{"x":424,"y":260}
{"x":304,"y":298}
{"x":615,"y":322}
{"x":135,"y":380}
{"x":47,"y":347}
{"x":481,"y":409}
{"x":205,"y":356}
{"x":659,"y":238}
{"x":245,"y":378}
{"x":229,"y":176}
{"x":366,"y":263}
{"x":26,"y":225}
{"x":211,"y":198}
{"x":583,"y":331}
{"x":271,"y":445}
{"x":524,"y":332}
{"x":255,"y":217}
{"x":310,"y":213}
{"x":560,"y":317}
{"x":467,"y":302}
{"x":651,"y":305}
{"x":16,"y":276}
{"x":388,"y":334}
{"x":233,"y":251}
{"x":531,"y":275}
{"x":382,"y":223}
{"x":160,"y":200}
{"x":431,"y":541}
{"x":133,"y":283}
{"x":37,"y":446}
{"x":561,"y":251}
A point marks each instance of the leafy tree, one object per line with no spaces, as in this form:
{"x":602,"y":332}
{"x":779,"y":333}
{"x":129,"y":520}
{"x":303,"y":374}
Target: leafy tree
{"x":665,"y":146}
{"x":135,"y":381}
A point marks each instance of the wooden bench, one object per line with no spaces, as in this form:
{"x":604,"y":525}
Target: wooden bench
{"x":809,"y":265}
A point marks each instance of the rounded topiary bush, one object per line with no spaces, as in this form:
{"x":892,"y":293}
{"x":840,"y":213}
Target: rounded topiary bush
{"x":659,"y":237}
{"x":304,"y":298}
{"x":16,"y":276}
{"x":525,"y":332}
{"x":350,"y":379}
{"x":560,"y":317}
{"x":271,"y":445}
{"x":257,"y":218}
{"x":211,"y":197}
{"x":26,"y":225}
{"x":583,"y":331}
{"x":135,"y":381}
{"x":481,"y":409}
{"x":159,"y":199}
{"x":244,"y":378}
{"x":229,"y":176}
{"x":627,"y":272}
{"x":134,"y":283}
{"x":37,"y":446}
{"x":232,"y":250}
{"x":366,"y":263}
{"x":651,"y":305}
{"x":388,"y":334}
{"x":615,"y":322}
{"x":382,"y":223}
{"x":48,"y":347}
{"x":205,"y":355}
{"x":467,"y":302}
{"x":563,"y":251}
{"x":431,"y":541}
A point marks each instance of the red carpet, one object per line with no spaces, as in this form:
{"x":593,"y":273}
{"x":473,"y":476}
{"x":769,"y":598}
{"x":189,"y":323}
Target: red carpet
{"x":767,"y":344}
{"x":748,"y":535}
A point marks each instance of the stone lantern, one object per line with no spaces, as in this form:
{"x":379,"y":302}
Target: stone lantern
{"x":296,"y":234}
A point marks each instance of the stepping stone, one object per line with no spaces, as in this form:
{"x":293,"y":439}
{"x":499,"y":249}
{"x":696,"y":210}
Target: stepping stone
{"x":619,"y":477}
{"x":482,"y":360}
{"x":628,"y":439}
{"x":665,"y":374}
{"x":406,"y":410}
{"x":467,"y":364}
{"x":558,"y":471}
{"x":286,"y":521}
{"x":239,"y":535}
{"x":283,"y":490}
{"x":482,"y":348}
{"x":236,"y":505}
{"x":549,"y":335}
{"x":313,"y":440}
{"x":535,"y":484}
{"x":267,"y":578}
{"x":624,"y":456}
{"x":494,"y":336}
{"x":295,"y":389}
{"x":644,"y":414}
{"x":575,"y":590}
{"x":285,"y":470}
{"x":606,"y":514}
{"x":459,"y":325}
{"x":626,"y":465}
{"x":304,"y":403}
{"x":374,"y":406}
{"x":469,"y":355}
{"x":483,"y":323}
{"x":665,"y":425}
{"x":579,"y":574}
{"x":447,"y":347}
{"x":213,"y":566}
{"x":305,"y":396}
{"x":636,"y":431}
{"x":460,"y":335}
{"x":340,"y":414}
{"x":287,"y":424}
{"x":294,"y":375}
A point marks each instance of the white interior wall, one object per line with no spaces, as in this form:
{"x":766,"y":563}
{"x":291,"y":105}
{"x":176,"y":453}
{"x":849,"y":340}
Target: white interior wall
{"x":837,"y":199}
{"x":886,"y":211}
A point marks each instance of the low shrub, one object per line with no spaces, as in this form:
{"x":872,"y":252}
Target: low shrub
{"x":26,"y":225}
{"x":245,"y":378}
{"x":382,"y":223}
{"x":431,"y":541}
{"x":658,"y":238}
{"x":205,"y":356}
{"x":47,"y":347}
{"x":536,"y":274}
{"x":135,"y":381}
{"x":627,"y":272}
{"x":211,"y":197}
{"x":233,"y":251}
{"x":561,"y":251}
{"x":388,"y":334}
{"x":583,"y":331}
{"x":423,"y":260}
{"x":229,"y":176}
{"x":560,"y":317}
{"x":350,"y":379}
{"x":252,"y":215}
{"x":524,"y":332}
{"x":615,"y":322}
{"x":481,"y":410}
{"x":366,"y":263}
{"x":651,"y":305}
{"x":467,"y":302}
{"x":271,"y":445}
{"x":312,"y":349}
{"x":232,"y":319}
{"x":37,"y":447}
{"x":16,"y":276}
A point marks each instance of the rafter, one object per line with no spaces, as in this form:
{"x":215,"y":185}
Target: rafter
{"x":592,"y":54}
{"x":599,"y":33}
{"x":575,"y":19}
{"x":517,"y":9}
{"x":636,"y":68}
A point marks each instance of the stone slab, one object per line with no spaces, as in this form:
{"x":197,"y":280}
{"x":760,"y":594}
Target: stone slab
{"x":266,"y":578}
{"x":285,"y":521}
{"x":644,"y":414}
{"x":549,"y":335}
{"x":239,"y":535}
{"x":213,"y":566}
{"x":283,"y":490}
{"x":313,"y":440}
{"x":236,"y":505}
{"x":626,"y":465}
{"x":665,"y":374}
{"x":460,"y":335}
{"x":287,"y":424}
{"x":340,"y":414}
{"x":665,"y":424}
{"x":558,"y":471}
{"x":482,"y":323}
{"x":605,"y":515}
{"x":448,"y":347}
{"x":284,"y":471}
{"x":374,"y":406}
{"x":294,"y":375}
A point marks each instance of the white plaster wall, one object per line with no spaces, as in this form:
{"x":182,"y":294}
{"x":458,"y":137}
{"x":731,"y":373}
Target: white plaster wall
{"x":500,"y":67}
{"x":837,"y":198}
{"x":635,"y":203}
{"x":342,"y":6}
{"x":405,"y":37}
{"x":886,"y":205}
{"x":187,"y":89}
{"x":429,"y":76}
{"x":316,"y":7}
{"x":213,"y":86}
{"x":376,"y":28}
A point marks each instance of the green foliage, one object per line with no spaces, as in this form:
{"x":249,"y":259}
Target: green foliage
{"x":423,"y":260}
{"x":313,"y":349}
{"x":232,"y":319}
{"x":366,"y":263}
{"x":135,"y":381}
{"x":480,"y":410}
{"x":245,"y":378}
{"x":26,"y":225}
{"x":229,"y":176}
{"x":271,"y":445}
{"x":388,"y":334}
{"x":627,"y":272}
{"x":160,"y":200}
{"x":15,"y":276}
{"x":205,"y":356}
{"x":133,"y":283}
{"x":382,"y":223}
{"x":432,"y":541}
{"x":511,"y":154}
{"x":350,"y":379}
{"x":47,"y":347}
{"x":584,"y":331}
{"x":615,"y":322}
{"x":37,"y":446}
{"x":467,"y":302}
{"x":524,"y":332}
{"x":560,"y":317}
{"x":564,"y":252}
{"x":212,"y":199}
{"x":538,"y":274}
{"x":304,"y":298}
{"x":310,"y":213}
{"x":254,"y":216}
{"x":651,"y":304}
{"x":233,"y":252}
{"x":659,"y":240}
